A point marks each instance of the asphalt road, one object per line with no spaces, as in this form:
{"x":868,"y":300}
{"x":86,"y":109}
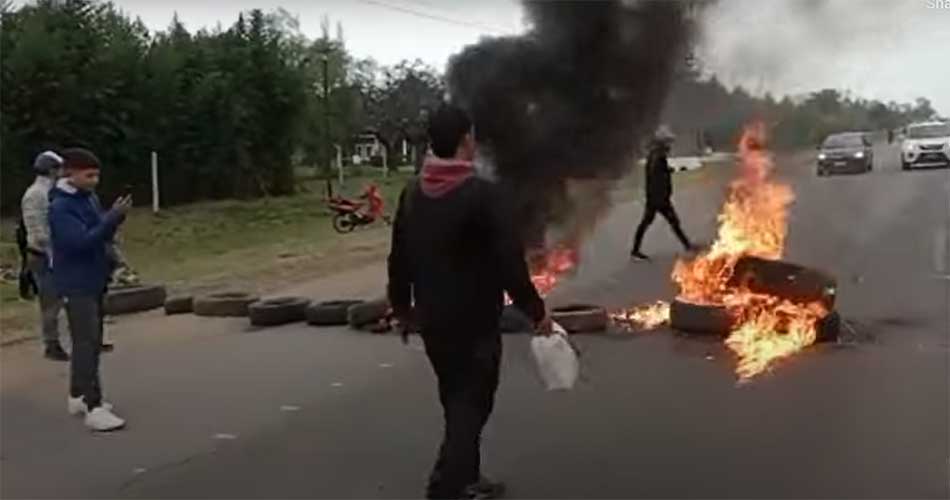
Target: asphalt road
{"x":217,"y":410}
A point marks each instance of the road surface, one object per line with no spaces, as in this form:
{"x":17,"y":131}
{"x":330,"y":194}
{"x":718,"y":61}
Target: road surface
{"x":218,"y":410}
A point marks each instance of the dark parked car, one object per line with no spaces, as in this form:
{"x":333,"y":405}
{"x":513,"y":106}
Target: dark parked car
{"x":848,"y":152}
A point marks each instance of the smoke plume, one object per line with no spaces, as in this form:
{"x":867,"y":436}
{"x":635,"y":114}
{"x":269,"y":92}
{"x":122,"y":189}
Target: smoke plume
{"x":570,"y":102}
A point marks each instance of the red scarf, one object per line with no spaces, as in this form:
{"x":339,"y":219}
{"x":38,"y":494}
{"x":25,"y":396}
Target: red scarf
{"x":440,"y":176}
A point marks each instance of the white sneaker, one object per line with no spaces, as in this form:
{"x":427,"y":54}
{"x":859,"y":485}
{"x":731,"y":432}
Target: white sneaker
{"x":77,"y":406}
{"x":103,"y":420}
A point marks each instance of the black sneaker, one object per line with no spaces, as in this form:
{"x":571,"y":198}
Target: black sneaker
{"x":485,"y":489}
{"x":55,"y":352}
{"x":639,"y":256}
{"x":106,"y":347}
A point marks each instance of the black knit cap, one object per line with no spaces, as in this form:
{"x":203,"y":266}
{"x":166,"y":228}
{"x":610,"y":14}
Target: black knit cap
{"x":80,"y":159}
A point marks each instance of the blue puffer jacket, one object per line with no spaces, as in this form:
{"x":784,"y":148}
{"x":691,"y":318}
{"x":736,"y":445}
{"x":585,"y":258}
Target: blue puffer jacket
{"x":79,"y":232}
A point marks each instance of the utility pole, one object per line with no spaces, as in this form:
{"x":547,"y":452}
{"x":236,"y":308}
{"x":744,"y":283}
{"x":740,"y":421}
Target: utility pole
{"x":326,"y":122}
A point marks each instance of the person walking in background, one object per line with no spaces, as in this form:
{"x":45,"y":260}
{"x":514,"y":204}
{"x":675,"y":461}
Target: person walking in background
{"x":80,"y":233}
{"x":35,"y":212}
{"x":455,"y":253}
{"x":659,"y":193}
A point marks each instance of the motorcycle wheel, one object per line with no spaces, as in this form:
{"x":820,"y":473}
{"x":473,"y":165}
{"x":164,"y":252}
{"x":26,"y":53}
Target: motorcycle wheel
{"x":342,"y":223}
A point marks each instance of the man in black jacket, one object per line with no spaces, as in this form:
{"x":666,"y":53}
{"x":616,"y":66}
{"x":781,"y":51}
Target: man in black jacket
{"x":454,"y":255}
{"x":659,"y":191}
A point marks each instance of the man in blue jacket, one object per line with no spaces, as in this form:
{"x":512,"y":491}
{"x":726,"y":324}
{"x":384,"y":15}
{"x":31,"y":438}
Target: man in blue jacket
{"x":80,"y":232}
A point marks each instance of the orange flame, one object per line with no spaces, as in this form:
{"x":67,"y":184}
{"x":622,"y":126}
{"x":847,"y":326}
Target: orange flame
{"x":753,"y":222}
{"x":548,"y":267}
{"x":646,"y":317}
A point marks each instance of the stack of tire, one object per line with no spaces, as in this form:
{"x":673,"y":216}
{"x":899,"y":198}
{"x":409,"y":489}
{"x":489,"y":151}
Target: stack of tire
{"x":789,"y":281}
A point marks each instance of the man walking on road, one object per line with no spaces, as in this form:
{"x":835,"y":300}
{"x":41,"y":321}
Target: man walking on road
{"x":35,"y":211}
{"x":455,"y":254}
{"x":80,"y":234}
{"x":659,"y":191}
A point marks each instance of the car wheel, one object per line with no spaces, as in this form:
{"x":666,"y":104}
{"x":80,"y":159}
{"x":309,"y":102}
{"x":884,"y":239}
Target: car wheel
{"x":330,"y":313}
{"x":181,"y":304}
{"x":278,"y":311}
{"x":905,"y":165}
{"x":224,"y":305}
{"x":580,"y":318}
{"x":134,"y":299}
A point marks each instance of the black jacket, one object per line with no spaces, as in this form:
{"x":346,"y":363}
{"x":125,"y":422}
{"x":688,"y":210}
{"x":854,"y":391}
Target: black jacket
{"x":454,"y":256}
{"x":659,"y":181}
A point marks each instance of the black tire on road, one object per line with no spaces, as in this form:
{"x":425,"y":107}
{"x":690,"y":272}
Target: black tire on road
{"x":224,"y":305}
{"x":512,"y":320}
{"x":134,"y":299}
{"x":700,"y":319}
{"x":366,"y":313}
{"x":783,"y":279}
{"x":181,"y":304}
{"x":330,"y":313}
{"x":581,"y":318}
{"x":278,"y":311}
{"x":343,"y":224}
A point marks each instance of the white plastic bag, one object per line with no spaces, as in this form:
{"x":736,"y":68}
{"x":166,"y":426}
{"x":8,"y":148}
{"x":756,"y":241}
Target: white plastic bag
{"x":556,"y":359}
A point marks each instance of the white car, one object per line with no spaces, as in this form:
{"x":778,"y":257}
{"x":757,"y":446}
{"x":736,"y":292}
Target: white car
{"x":926,"y":145}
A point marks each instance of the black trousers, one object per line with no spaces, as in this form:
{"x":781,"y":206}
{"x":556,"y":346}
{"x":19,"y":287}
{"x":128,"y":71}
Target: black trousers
{"x":84,"y":313}
{"x":669,"y":213}
{"x":468,"y":372}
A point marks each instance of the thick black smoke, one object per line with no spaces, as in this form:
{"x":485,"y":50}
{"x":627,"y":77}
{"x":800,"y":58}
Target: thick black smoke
{"x":572,"y":99}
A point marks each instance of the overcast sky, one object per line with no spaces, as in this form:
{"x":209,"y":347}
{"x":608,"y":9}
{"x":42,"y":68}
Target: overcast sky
{"x":883,"y":49}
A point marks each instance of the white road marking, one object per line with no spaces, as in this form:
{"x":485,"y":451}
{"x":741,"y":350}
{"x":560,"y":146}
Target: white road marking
{"x":940,"y":251}
{"x":289,"y":408}
{"x":336,"y":384}
{"x":385,"y":365}
{"x":225,"y":437}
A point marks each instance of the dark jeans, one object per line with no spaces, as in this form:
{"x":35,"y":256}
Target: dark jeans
{"x":85,"y":328}
{"x":467,"y":371}
{"x":49,"y":300}
{"x":669,"y":213}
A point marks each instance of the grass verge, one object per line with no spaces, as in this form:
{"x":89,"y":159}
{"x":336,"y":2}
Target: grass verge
{"x":258,"y":244}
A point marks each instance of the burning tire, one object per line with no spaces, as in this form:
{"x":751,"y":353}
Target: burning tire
{"x":700,"y":319}
{"x":182,"y":304}
{"x":580,"y":318}
{"x":330,"y":313}
{"x":278,"y":311}
{"x":512,"y":320}
{"x":134,"y":299}
{"x":715,"y":320}
{"x":783,"y":279}
{"x":224,"y":305}
{"x":367,"y":313}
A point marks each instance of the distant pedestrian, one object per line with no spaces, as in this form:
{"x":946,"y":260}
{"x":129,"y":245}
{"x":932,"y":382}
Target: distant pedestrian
{"x":35,"y":212}
{"x":81,"y":233}
{"x":659,"y":193}
{"x":455,"y":254}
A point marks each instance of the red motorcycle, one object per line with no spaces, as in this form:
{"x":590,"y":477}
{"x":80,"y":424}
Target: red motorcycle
{"x":350,"y":214}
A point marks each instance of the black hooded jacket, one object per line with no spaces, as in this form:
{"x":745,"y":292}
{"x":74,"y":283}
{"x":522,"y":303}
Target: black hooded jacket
{"x":659,"y":181}
{"x":454,"y":256}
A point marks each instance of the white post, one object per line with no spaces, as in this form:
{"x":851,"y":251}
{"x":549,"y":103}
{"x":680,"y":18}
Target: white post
{"x":385,"y":162}
{"x":155,"y":201}
{"x":339,"y":163}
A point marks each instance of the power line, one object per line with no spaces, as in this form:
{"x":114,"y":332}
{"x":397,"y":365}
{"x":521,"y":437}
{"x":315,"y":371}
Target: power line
{"x":434,"y":17}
